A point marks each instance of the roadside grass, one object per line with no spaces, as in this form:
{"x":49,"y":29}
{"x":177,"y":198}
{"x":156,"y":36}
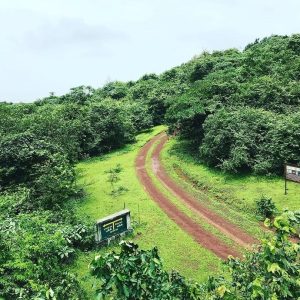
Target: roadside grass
{"x":234,"y":193}
{"x":177,"y":249}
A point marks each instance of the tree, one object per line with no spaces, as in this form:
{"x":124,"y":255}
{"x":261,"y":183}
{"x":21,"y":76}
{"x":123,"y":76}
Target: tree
{"x":79,"y":95}
{"x":110,"y":126}
{"x":65,"y":125}
{"x":37,"y":165}
{"x":140,"y":116}
{"x":114,"y":90}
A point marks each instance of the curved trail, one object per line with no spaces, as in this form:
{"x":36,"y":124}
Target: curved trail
{"x":223,"y":225}
{"x":204,"y":238}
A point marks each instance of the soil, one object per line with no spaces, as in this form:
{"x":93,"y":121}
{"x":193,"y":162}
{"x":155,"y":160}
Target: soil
{"x":199,"y":234}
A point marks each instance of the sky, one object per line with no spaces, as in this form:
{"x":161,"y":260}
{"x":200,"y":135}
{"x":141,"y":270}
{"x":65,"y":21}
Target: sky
{"x":54,"y":45}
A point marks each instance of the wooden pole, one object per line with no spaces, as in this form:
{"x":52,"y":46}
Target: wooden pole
{"x":285,"y":186}
{"x":285,"y":181}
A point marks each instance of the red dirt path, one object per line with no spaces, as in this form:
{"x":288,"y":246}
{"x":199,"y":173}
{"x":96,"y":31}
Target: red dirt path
{"x":223,"y":225}
{"x":204,"y":238}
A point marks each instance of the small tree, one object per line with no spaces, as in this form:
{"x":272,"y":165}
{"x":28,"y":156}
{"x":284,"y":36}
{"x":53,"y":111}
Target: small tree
{"x":113,"y":178}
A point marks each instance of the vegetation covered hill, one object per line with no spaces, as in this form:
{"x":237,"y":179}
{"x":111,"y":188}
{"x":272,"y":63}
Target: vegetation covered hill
{"x":238,"y":109}
{"x":242,"y":107}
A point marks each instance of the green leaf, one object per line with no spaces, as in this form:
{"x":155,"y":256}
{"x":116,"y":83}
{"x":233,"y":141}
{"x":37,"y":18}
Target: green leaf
{"x":274,"y":267}
{"x":126,"y":291}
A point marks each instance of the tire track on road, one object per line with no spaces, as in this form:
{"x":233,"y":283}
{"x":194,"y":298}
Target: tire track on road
{"x":223,"y":225}
{"x":203,"y":237}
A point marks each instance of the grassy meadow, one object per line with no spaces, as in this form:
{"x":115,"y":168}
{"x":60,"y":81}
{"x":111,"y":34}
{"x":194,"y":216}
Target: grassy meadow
{"x":177,"y":249}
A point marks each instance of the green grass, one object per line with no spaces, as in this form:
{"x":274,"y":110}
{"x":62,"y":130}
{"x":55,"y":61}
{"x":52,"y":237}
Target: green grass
{"x":177,"y":249}
{"x":239,"y":191}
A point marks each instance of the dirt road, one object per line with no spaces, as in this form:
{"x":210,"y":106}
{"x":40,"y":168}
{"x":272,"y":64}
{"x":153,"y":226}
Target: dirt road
{"x":203,"y":237}
{"x":223,"y":225}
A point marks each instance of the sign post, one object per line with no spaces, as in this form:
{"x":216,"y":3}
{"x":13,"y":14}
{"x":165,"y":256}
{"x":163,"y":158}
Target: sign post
{"x":285,"y":180}
{"x":113,"y":226}
{"x":292,"y":173}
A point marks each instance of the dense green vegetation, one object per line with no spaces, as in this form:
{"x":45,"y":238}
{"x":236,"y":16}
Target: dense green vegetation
{"x":239,"y":110}
{"x":39,"y":144}
{"x":242,"y":108}
{"x":222,"y":101}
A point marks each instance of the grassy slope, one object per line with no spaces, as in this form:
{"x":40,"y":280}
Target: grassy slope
{"x":238,"y":191}
{"x":177,"y":249}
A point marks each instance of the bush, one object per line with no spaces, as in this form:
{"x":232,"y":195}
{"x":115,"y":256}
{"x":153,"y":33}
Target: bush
{"x":266,"y":208}
{"x":55,"y":183}
{"x":80,"y":235}
{"x":15,"y":202}
{"x":138,"y":274}
{"x":34,"y":258}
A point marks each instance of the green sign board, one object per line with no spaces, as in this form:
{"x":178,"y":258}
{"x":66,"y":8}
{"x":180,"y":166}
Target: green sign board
{"x":113,"y":225}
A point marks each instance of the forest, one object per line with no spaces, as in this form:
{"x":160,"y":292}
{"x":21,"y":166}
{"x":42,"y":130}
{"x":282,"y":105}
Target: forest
{"x":238,"y":110}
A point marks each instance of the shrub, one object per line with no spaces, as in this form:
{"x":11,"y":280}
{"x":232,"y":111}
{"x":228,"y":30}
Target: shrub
{"x":266,"y":208}
{"x":80,"y":235}
{"x":34,"y":258}
{"x":138,"y":274}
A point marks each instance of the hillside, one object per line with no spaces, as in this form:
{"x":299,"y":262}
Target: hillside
{"x":234,"y":117}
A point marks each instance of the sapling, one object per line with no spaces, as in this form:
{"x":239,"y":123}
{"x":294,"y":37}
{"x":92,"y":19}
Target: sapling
{"x":113,"y":178}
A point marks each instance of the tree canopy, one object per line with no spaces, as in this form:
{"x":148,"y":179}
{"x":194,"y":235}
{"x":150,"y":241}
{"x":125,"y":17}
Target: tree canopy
{"x":241,"y":107}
